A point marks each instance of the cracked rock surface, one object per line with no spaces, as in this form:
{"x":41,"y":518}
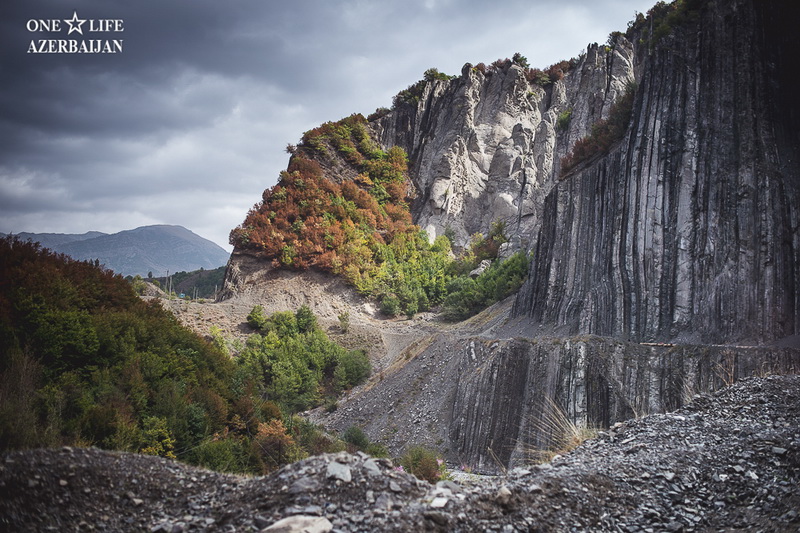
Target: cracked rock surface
{"x":726,"y":462}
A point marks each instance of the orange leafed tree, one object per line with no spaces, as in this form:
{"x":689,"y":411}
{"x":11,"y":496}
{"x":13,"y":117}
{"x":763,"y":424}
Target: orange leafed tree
{"x":308,"y":220}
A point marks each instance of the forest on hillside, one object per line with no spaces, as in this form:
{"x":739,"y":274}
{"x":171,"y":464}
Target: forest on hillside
{"x":85,"y":362}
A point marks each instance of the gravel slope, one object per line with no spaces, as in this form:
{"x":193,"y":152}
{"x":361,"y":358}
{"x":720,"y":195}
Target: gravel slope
{"x":727,"y":462}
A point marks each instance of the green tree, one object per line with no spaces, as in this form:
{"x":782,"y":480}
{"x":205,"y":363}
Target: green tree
{"x":344,"y":321}
{"x":433,"y":74}
{"x":306,"y":321}
{"x":256,"y":318}
{"x":390,"y":305}
{"x":519,"y":59}
{"x":156,"y":438}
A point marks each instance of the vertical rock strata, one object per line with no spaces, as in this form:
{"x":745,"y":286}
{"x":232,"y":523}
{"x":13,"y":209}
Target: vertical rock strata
{"x":689,"y":228}
{"x":513,"y":398}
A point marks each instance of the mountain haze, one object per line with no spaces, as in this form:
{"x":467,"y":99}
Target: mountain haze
{"x":54,"y":240}
{"x":159,"y":249}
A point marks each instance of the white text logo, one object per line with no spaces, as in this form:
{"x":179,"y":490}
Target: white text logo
{"x":91,"y":32}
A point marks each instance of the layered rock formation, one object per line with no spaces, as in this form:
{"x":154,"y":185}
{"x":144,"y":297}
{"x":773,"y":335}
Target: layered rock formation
{"x":689,"y":228}
{"x":512,"y":398}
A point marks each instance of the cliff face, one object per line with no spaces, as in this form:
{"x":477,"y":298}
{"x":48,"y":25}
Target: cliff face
{"x":689,"y":228}
{"x":588,"y":381}
{"x":489,"y":145}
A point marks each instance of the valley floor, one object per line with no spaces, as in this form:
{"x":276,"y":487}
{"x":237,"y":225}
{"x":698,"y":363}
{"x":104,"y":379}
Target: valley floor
{"x":726,"y":462}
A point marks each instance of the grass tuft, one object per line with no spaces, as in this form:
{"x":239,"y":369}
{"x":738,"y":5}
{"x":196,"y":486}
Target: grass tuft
{"x":556,"y":428}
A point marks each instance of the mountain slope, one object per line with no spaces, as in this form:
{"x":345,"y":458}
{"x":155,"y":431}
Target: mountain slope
{"x":158,"y":249}
{"x":683,"y":225}
{"x":54,"y":240}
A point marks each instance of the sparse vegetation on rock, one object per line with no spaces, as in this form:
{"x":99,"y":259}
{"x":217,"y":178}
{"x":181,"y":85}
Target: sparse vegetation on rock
{"x":605,"y":133}
{"x":467,"y":296}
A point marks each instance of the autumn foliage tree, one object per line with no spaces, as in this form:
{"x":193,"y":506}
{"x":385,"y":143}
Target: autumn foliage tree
{"x":359,"y":228}
{"x":309,"y":220}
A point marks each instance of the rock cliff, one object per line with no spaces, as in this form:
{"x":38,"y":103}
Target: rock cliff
{"x":489,"y":142}
{"x":687,"y":230}
{"x":689,"y":227}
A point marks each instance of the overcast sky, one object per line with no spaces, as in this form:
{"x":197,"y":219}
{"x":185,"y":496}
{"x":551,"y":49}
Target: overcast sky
{"x":189,"y":123}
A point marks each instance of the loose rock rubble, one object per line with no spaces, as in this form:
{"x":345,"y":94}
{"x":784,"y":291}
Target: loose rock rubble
{"x":727,"y":462}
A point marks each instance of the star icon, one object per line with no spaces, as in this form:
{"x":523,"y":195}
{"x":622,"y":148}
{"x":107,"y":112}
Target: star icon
{"x":75,"y":23}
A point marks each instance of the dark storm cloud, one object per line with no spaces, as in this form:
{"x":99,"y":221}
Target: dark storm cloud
{"x":189,"y":123}
{"x":138,"y":89}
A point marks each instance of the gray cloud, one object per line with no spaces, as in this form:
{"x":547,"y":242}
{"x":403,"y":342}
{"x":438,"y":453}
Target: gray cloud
{"x":189,"y":124}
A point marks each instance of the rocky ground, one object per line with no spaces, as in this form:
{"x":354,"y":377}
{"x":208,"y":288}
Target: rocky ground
{"x":727,"y":462}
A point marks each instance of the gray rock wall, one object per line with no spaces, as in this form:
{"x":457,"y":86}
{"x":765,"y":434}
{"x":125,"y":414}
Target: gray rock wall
{"x":489,"y":145}
{"x":508,"y":391}
{"x":690,"y":228}
{"x":687,"y":230}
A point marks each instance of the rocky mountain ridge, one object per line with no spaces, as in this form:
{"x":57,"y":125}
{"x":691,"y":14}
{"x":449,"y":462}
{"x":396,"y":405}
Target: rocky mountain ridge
{"x":489,"y":143}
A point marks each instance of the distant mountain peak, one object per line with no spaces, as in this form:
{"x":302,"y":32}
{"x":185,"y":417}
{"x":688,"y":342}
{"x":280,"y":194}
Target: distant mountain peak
{"x":158,"y":248}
